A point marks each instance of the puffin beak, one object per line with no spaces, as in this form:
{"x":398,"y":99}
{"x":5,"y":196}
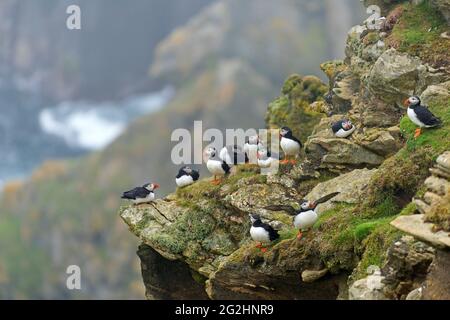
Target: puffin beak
{"x":406,"y":103}
{"x":156,"y":186}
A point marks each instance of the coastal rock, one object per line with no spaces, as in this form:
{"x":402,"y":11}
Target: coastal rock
{"x":350,"y":185}
{"x":394,"y":76}
{"x":369,"y":288}
{"x":415,"y":226}
{"x":309,"y":276}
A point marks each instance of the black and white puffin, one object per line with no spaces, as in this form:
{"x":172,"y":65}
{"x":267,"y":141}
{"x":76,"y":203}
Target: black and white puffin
{"x":343,"y":128}
{"x":420,"y":115}
{"x":232,"y":155}
{"x":251,"y":149}
{"x":139,"y":195}
{"x":289,"y":144}
{"x":267,"y":158}
{"x":215,"y":165}
{"x":262,"y":232}
{"x":186,"y":176}
{"x":306,"y":216}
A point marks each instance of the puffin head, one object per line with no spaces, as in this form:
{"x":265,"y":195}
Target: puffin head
{"x":285,"y":132}
{"x":186,"y":170}
{"x":347,"y":124}
{"x":151,"y":186}
{"x":254,"y":217}
{"x":253,"y":139}
{"x":211,"y":152}
{"x":307,"y":205}
{"x":412,"y":101}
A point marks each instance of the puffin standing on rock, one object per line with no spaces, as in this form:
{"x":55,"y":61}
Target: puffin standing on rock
{"x":420,"y":115}
{"x":251,"y":149}
{"x":262,"y":232}
{"x":343,"y":128}
{"x":232,"y":155}
{"x":186,"y":176}
{"x":140,"y":195}
{"x":266,"y":158}
{"x":216,"y":166}
{"x":290,"y":145}
{"x":307,"y":216}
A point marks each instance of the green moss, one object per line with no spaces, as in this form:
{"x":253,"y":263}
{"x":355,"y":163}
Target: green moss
{"x":418,"y":33}
{"x":292,"y":108}
{"x":375,"y":248}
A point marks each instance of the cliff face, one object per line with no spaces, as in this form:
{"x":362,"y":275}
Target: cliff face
{"x":380,"y":172}
{"x":76,"y":201}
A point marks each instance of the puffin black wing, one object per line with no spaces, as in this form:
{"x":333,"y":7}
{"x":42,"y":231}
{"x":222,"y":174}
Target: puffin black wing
{"x":337,"y":126}
{"x":136,"y":193}
{"x":226,"y":167}
{"x":326,"y":198}
{"x":273,"y":234}
{"x":288,"y":209}
{"x":195,"y":175}
{"x":296,"y":140}
{"x":425,"y":116}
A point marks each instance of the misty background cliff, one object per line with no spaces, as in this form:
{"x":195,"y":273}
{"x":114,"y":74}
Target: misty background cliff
{"x":107,"y":98}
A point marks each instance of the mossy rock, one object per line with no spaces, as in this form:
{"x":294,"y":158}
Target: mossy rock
{"x":292,"y":108}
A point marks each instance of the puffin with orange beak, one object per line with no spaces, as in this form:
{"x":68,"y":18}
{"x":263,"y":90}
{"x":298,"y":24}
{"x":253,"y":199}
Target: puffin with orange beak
{"x":140,"y":195}
{"x":290,"y":145}
{"x":420,"y":115}
{"x":307,"y":216}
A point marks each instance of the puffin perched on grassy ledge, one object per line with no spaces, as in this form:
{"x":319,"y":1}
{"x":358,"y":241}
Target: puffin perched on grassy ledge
{"x":186,"y":176}
{"x":262,"y":232}
{"x":420,"y":115}
{"x":216,"y":166}
{"x":290,"y":145}
{"x":307,"y":216}
{"x":140,"y":195}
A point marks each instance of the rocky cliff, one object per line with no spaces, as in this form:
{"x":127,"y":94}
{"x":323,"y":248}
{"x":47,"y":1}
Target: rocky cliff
{"x":76,"y":201}
{"x":201,"y":232}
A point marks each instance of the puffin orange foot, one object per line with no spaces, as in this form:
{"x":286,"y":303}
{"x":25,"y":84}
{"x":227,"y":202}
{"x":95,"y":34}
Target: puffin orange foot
{"x":299,"y":235}
{"x":263,"y":250}
{"x":285,"y":161}
{"x":417,"y":133}
{"x":294,"y":162}
{"x":259,"y":245}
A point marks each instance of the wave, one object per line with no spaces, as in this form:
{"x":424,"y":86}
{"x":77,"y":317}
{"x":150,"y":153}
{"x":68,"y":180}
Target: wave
{"x":93,"y":126}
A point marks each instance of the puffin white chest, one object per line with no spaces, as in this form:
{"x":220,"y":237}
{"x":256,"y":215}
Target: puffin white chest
{"x":252,"y":152}
{"x":184,"y":181}
{"x":215,"y":167}
{"x":413,"y":117}
{"x":265,"y":163}
{"x":259,"y":234}
{"x":344,"y":134}
{"x":290,"y":147}
{"x":147,"y":199}
{"x":305,"y":220}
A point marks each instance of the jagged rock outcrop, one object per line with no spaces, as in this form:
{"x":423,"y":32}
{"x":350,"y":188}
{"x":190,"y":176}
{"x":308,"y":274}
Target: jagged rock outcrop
{"x":378,"y":171}
{"x":404,"y":271}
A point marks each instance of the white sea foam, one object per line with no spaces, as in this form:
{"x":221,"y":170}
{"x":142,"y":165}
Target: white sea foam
{"x":93,"y":126}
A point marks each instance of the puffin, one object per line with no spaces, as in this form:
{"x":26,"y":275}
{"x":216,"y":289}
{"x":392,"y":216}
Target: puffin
{"x":186,"y":176}
{"x":289,"y":144}
{"x":262,"y":232}
{"x":307,"y":216}
{"x":251,"y":149}
{"x":216,"y":166}
{"x":420,"y":115}
{"x":343,"y":128}
{"x":139,"y":195}
{"x":266,"y":158}
{"x":232,"y":155}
